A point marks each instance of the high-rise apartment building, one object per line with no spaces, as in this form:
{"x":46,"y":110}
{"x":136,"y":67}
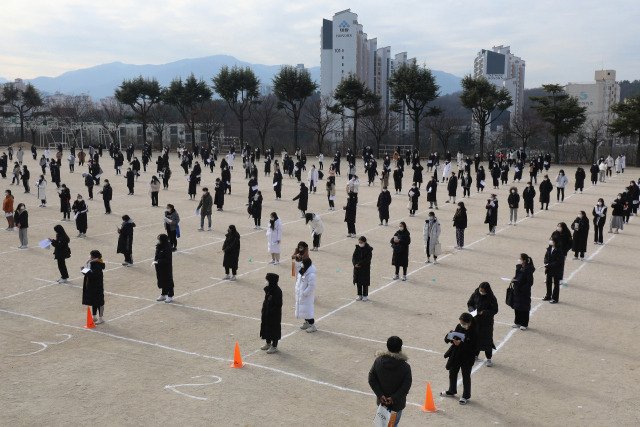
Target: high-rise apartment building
{"x":598,"y":96}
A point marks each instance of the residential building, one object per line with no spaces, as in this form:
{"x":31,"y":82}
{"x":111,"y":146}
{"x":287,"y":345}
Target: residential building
{"x":598,"y":96}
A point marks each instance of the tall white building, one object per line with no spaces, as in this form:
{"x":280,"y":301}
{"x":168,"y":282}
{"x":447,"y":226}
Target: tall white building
{"x":503,"y":69}
{"x":598,"y":96}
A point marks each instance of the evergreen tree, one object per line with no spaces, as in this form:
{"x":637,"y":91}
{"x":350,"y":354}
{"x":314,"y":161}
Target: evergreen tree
{"x":141,"y":94}
{"x":188,"y":98}
{"x":628,"y":121}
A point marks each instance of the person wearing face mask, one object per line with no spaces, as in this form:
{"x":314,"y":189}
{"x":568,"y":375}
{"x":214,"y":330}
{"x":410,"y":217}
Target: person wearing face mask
{"x":594,"y":170}
{"x":518,"y":171}
{"x":417,"y":174}
{"x":15,"y":174}
{"x":466,"y":184}
{"x":580,"y":177}
{"x":312,"y":178}
{"x":205,"y":207}
{"x":256,"y":209}
{"x":274,"y":236}
{"x":61,"y":252}
{"x":350,"y":213}
{"x":495,"y":175}
{"x":460,"y":223}
{"x":545,"y":192}
{"x":171,"y":220}
{"x":384,"y":201}
{"x":125,"y":240}
{"x":634,"y":197}
{"x":192,"y":186}
{"x":414,"y":195}
{"x":398,"y":174}
{"x":400,"y":243}
{"x":42,"y":191}
{"x":301,"y":252}
{"x":21,"y":218}
{"x":480,"y":177}
{"x":561,"y":183}
{"x":231,"y":249}
{"x":107,"y":195}
{"x":305,"y":295}
{"x":564,"y":234}
{"x":617,"y":215}
{"x":431,"y":234}
{"x":361,"y":260}
{"x":154,"y":189}
{"x":93,"y":285}
{"x":529,"y":196}
{"x":533,"y":171}
{"x":491,"y":217}
{"x":580,"y":227}
{"x":553,"y":268}
{"x":514,"y":202}
{"x":485,"y":304}
{"x":7,"y":207}
{"x":603,"y":170}
{"x":80,"y":209}
{"x":253,"y":187}
{"x":331,"y":194}
{"x":461,"y":356}
{"x":599,"y":220}
{"x":163,"y":262}
{"x":270,"y":322}
{"x":626,"y":200}
{"x":317,"y":228}
{"x":130,"y":177}
{"x":522,"y":283}
{"x":452,"y":186}
{"x":432,"y":193}
{"x":277,"y":181}
{"x":303,"y":199}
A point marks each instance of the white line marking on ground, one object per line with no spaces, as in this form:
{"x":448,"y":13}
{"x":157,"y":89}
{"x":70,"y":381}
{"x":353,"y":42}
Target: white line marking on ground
{"x":172,"y":387}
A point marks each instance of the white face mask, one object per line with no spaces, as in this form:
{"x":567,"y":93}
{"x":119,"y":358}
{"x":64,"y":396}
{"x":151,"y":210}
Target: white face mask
{"x":519,"y":262}
{"x":266,"y":282}
{"x":513,"y":191}
{"x":464,"y":326}
{"x":599,"y":203}
{"x":482,"y":293}
{"x":272,"y":219}
{"x":559,"y":228}
{"x":619,"y":197}
{"x":401,"y":228}
{"x":550,"y":242}
{"x":158,"y":241}
{"x":579,"y":215}
{"x":24,"y":208}
{"x":168,"y":211}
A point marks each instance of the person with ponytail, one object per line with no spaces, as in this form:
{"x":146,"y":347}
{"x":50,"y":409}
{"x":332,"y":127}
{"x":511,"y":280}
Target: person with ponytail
{"x":522,"y":284}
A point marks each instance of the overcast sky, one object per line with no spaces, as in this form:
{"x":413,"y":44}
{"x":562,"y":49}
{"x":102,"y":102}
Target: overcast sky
{"x":560,"y":40}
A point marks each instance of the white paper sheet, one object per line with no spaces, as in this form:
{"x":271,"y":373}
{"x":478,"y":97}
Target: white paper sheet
{"x":45,"y":243}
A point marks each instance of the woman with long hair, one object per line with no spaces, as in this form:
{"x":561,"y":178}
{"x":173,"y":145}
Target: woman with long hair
{"x":61,"y":252}
{"x":522,"y":283}
{"x":553,"y":268}
{"x":231,"y":249}
{"x":163,"y":261}
{"x":305,"y":295}
{"x":599,"y":220}
{"x":580,"y":227}
{"x":400,"y":243}
{"x":93,"y":286}
{"x":154,"y":189}
{"x":485,"y":304}
{"x":274,"y":238}
{"x":42,"y":191}
{"x":80,"y":208}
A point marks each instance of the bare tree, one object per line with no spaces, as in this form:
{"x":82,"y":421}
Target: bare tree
{"x":111,"y":114}
{"x":73,"y":111}
{"x":211,"y":119}
{"x":594,"y":132}
{"x":444,"y":127}
{"x":317,"y":118}
{"x":380,"y":125}
{"x":264,"y":116}
{"x":161,"y":115}
{"x":527,"y":126}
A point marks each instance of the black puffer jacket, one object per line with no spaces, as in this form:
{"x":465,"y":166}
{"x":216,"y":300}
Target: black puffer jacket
{"x":465,"y":353}
{"x":270,"y":328}
{"x":362,"y":258}
{"x":401,"y":248}
{"x":488,"y":306}
{"x":390,"y":376}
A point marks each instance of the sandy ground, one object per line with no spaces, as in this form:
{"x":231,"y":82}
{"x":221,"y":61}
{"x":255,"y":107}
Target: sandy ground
{"x":169,"y":364}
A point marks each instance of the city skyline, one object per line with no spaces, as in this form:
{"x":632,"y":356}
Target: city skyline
{"x":561,"y":42}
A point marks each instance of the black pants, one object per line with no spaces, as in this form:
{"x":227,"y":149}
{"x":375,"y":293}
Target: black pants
{"x":555,"y":294}
{"x":278,"y":193}
{"x":331,"y":204}
{"x":154,"y":198}
{"x":62,"y":266}
{"x":90,"y":192}
{"x":522,"y":317}
{"x":165,"y":182}
{"x":316,"y":240}
{"x":542,"y":206}
{"x":321,"y":166}
{"x":487,"y":353}
{"x":581,"y":254}
{"x":66,"y":215}
{"x":256,"y":221}
{"x":310,"y":321}
{"x":528,"y":209}
{"x":363,"y":291}
{"x":559,"y":190}
{"x":233,"y":270}
{"x":404,"y":270}
{"x":597,"y":231}
{"x":130,"y":190}
{"x":351,"y":228}
{"x":168,"y":292}
{"x":466,"y":192}
{"x":107,"y":206}
{"x":272,"y":343}
{"x":97,"y":309}
{"x":128,"y":258}
{"x":15,"y":179}
{"x":172,"y":238}
{"x":26,"y":185}
{"x":466,"y":381}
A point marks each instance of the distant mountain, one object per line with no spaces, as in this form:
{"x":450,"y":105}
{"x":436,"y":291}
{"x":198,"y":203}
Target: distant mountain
{"x":101,"y":80}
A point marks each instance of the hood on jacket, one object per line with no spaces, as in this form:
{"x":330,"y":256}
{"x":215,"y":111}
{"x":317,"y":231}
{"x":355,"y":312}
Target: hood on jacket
{"x":272,"y":278}
{"x":366,"y":247}
{"x":97,"y":264}
{"x":390,"y":360}
{"x":311,"y":269}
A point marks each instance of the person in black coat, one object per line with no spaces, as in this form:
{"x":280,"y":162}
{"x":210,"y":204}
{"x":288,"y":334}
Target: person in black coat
{"x":55,"y":174}
{"x":485,"y":304}
{"x":480,"y":177}
{"x":256,"y":209}
{"x":563,"y":233}
{"x":580,"y":227}
{"x":461,"y":356}
{"x":350,"y":211}
{"x":599,"y":220}
{"x":361,"y":260}
{"x":130,"y":176}
{"x":390,"y":377}
{"x":163,"y":262}
{"x":514,"y":202}
{"x":452,"y":186}
{"x":88,"y":182}
{"x":545,"y":191}
{"x":125,"y":240}
{"x":65,"y":200}
{"x":270,"y":328}
{"x":218,"y":198}
{"x":553,"y":268}
{"x":277,"y":181}
{"x":397,"y":179}
{"x":226,"y":179}
{"x":107,"y":195}
{"x":460,"y":223}
{"x":495,"y":174}
{"x":93,"y":285}
{"x":522,"y":284}
{"x":580,"y":177}
{"x":529,"y":197}
{"x":491,"y":217}
{"x":303,"y":199}
{"x":193,"y":181}
{"x":384,"y":200}
{"x":417,"y":174}
{"x":61,"y":252}
{"x":414,"y":195}
{"x":80,"y":208}
{"x":595,"y":171}
{"x":400,"y":243}
{"x":231,"y":249}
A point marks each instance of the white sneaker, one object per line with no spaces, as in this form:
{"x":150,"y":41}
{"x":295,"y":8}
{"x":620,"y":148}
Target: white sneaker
{"x":435,"y":262}
{"x":169,"y":299}
{"x":404,"y":278}
{"x":63,"y":281}
{"x":161,"y":298}
{"x":359,"y":298}
{"x":209,"y":229}
{"x":272,"y":262}
{"x":275,"y":263}
{"x":523,"y":328}
{"x":428,"y":261}
{"x":272,"y":350}
{"x":265,"y":347}
{"x":305,"y":325}
{"x":311,"y":328}
{"x":99,"y":321}
{"x":515,"y":325}
{"x":396,"y":277}
{"x":365,"y":299}
{"x":200,"y":229}
{"x":233,"y":278}
{"x":227,"y":277}
{"x":488,"y":363}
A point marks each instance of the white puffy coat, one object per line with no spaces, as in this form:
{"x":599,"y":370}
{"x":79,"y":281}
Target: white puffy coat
{"x":42,"y":190}
{"x":305,"y":293}
{"x":273,"y":236}
{"x":316,"y":225}
{"x":230,"y":157}
{"x":431,"y":231}
{"x":312,"y":176}
{"x":561,"y":181}
{"x":446,"y":171}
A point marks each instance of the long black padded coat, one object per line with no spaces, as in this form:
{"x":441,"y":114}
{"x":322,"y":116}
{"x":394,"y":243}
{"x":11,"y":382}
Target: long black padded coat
{"x":488,"y":306}
{"x":270,"y":328}
{"x":362,"y":257}
{"x":164,"y":266}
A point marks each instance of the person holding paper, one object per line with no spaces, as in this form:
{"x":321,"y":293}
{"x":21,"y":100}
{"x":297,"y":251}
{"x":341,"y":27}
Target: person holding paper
{"x":599,"y":220}
{"x":256,"y":209}
{"x":80,"y":209}
{"x":431,"y":234}
{"x":303,"y":199}
{"x":42,"y":191}
{"x":580,"y":227}
{"x":15,"y":174}
{"x":460,"y":223}
{"x":171,"y":220}
{"x":218,"y":199}
{"x":518,"y":171}
{"x":7,"y":207}
{"x":277,"y":182}
{"x":163,"y":262}
{"x":461,"y":356}
{"x":61,"y":252}
{"x":400,"y":244}
{"x":65,"y":203}
{"x":384,"y":201}
{"x":452,"y":186}
{"x":93,"y":285}
{"x":522,"y":284}
{"x":491,"y":217}
{"x":253,"y":187}
{"x":432,"y":193}
{"x":390,"y":378}
{"x":414,"y":195}
{"x":480,"y":177}
{"x":125,"y":240}
{"x":317,"y":228}
{"x":485,"y":305}
{"x":553,"y":268}
{"x":226,"y":179}
{"x":166,"y":175}
{"x":205,"y":208}
{"x":231,"y":249}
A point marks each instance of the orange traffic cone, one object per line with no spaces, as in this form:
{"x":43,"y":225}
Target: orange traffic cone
{"x":90,"y":324}
{"x":237,"y":360}
{"x":293,"y":269}
{"x":429,"y":406}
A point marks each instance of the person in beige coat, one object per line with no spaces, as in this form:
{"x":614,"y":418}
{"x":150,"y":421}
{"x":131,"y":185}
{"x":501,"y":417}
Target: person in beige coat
{"x":331,"y":195}
{"x":431,"y":234}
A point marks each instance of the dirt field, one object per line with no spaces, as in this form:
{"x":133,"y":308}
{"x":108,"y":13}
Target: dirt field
{"x":153,"y":363}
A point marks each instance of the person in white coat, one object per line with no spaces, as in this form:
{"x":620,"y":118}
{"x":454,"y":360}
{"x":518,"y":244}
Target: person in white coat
{"x":305,"y":295}
{"x":619,"y":165}
{"x":561,"y":182}
{"x":312,"y":179}
{"x":274,"y":238}
{"x":42,"y":191}
{"x":230,"y":157}
{"x":431,"y":235}
{"x":317,"y":228}
{"x":446,"y":171}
